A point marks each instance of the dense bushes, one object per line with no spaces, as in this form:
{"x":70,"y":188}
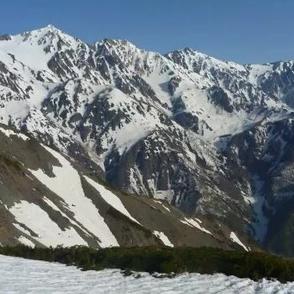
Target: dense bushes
{"x":254,"y":265}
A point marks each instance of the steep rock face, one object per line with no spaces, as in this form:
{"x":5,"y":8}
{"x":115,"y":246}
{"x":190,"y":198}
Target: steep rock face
{"x":205,"y":135}
{"x":265,"y":151}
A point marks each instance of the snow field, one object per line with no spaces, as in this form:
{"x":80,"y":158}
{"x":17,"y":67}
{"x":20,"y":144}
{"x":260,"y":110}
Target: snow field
{"x":18,"y":276}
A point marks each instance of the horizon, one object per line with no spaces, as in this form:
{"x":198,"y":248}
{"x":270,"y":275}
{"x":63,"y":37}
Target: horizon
{"x":140,"y":48}
{"x":245,"y":33}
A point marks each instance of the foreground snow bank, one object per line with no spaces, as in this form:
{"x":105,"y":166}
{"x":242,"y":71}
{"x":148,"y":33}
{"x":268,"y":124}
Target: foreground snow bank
{"x":19,"y":275}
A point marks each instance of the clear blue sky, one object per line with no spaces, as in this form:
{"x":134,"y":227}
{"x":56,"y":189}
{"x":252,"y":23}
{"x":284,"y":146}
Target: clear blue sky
{"x":246,"y":31}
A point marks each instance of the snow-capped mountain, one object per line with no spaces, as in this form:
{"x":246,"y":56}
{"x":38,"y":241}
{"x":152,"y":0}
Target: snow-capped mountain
{"x":47,"y":199}
{"x":212,"y":138}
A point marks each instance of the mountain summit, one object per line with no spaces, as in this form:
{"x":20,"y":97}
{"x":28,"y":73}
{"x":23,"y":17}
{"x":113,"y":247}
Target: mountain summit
{"x":211,"y":138}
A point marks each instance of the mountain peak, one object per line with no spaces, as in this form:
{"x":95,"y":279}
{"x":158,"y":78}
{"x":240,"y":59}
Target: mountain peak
{"x":35,"y":48}
{"x":116,"y":43}
{"x":208,"y":136}
{"x":49,"y":35}
{"x":46,"y":29}
{"x":187,"y":51}
{"x":51,"y":27}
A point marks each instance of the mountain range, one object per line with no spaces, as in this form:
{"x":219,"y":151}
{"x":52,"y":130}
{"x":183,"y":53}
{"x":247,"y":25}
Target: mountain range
{"x":106,"y":144}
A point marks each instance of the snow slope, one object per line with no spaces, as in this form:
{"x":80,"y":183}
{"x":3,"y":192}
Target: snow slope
{"x":19,"y":276}
{"x":235,"y":239}
{"x":48,"y":231}
{"x":110,"y":198}
{"x":67,"y":184}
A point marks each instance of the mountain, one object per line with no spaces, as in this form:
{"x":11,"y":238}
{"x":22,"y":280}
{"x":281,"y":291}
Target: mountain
{"x":210,"y":138}
{"x":48,"y":199}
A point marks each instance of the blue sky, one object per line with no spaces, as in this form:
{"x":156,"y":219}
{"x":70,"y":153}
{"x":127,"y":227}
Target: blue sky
{"x":246,"y":31}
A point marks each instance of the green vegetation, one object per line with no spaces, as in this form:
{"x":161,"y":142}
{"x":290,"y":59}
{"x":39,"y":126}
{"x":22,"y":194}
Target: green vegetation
{"x":253,"y":265}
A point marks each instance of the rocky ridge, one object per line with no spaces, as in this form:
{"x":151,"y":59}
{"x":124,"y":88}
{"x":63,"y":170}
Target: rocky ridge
{"x":211,"y":138}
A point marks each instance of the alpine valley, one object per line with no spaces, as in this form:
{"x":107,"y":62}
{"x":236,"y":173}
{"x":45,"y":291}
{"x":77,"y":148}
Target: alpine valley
{"x":111,"y":145}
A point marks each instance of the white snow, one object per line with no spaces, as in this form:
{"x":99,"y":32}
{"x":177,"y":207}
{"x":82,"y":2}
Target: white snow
{"x":29,"y":48}
{"x":195,"y":223}
{"x":128,"y":132}
{"x":257,"y":70}
{"x":67,"y":185}
{"x":49,"y":233}
{"x":220,"y":121}
{"x":164,"y":195}
{"x":10,"y":133}
{"x":163,"y":238}
{"x":235,"y":239}
{"x":165,"y":207}
{"x":26,"y":52}
{"x":110,"y":198}
{"x":26,"y":241}
{"x":20,"y":276}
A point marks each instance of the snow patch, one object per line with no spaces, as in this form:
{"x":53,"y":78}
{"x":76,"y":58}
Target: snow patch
{"x":10,"y":133}
{"x":235,"y":239}
{"x":110,"y":198}
{"x":49,"y":233}
{"x":164,"y":195}
{"x":163,"y":238}
{"x":67,"y":185}
{"x":196,"y":224}
{"x":26,"y":241}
